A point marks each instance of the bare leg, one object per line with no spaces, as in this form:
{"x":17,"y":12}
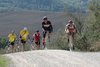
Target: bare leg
{"x":10,"y":48}
{"x":44,"y":37}
{"x":73,"y":41}
{"x":44,"y":43}
{"x":68,"y":37}
{"x":38,"y":47}
{"x":33,"y":46}
{"x":49,"y":34}
{"x":13,"y":49}
{"x":23,"y":47}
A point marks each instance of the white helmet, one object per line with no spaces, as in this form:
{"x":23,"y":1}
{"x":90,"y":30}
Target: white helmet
{"x":12,"y":31}
{"x":25,"y":28}
{"x":45,"y":18}
{"x":70,"y":21}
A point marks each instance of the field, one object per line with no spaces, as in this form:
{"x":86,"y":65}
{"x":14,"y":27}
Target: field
{"x":17,"y":20}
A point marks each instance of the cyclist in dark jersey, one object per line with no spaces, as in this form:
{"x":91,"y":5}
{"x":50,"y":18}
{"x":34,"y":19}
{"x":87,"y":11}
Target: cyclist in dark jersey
{"x":47,"y":28}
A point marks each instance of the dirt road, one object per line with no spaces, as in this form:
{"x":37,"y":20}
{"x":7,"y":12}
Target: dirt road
{"x":54,"y":58}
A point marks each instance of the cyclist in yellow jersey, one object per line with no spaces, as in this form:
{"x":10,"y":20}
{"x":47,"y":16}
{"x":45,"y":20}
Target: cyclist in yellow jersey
{"x":12,"y":38}
{"x":24,"y":35}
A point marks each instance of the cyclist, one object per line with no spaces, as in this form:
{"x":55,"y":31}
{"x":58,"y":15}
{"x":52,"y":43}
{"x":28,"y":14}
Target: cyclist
{"x":70,"y":29}
{"x":47,"y":28}
{"x":36,"y":38}
{"x":24,"y":35}
{"x":12,"y":38}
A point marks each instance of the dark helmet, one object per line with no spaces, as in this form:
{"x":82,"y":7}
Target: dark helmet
{"x":37,"y":30}
{"x":45,"y":18}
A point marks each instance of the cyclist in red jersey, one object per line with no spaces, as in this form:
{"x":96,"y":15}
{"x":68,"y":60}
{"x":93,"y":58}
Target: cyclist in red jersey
{"x":36,"y":38}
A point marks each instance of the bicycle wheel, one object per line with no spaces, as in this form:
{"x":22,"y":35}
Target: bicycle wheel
{"x":71,"y":45}
{"x":7,"y":48}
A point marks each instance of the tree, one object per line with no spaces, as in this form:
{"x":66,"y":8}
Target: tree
{"x":94,"y":17}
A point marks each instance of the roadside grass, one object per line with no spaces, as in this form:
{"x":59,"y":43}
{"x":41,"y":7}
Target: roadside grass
{"x":3,"y":61}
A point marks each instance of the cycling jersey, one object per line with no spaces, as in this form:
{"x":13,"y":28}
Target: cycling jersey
{"x":12,"y":37}
{"x":24,"y":34}
{"x":47,"y":26}
{"x":70,"y":28}
{"x":36,"y":37}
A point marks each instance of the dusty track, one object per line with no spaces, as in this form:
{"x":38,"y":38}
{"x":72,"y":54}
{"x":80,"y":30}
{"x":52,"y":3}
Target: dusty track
{"x":54,"y":58}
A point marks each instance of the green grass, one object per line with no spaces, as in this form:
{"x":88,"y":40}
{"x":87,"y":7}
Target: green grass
{"x":3,"y":62}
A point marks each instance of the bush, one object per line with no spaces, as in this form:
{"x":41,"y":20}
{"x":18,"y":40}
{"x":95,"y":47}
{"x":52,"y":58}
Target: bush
{"x":82,"y":43}
{"x":59,"y":41}
{"x":3,"y":43}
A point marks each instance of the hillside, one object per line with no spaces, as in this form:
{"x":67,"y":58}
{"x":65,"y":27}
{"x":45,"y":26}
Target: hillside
{"x":75,"y":5}
{"x":43,"y":5}
{"x":54,"y":58}
{"x":16,"y":20}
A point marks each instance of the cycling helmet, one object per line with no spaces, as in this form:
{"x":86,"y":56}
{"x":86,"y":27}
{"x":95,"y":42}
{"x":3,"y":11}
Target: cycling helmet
{"x":25,"y":28}
{"x":70,"y":21}
{"x":37,"y":30}
{"x":45,"y":18}
{"x":12,"y":31}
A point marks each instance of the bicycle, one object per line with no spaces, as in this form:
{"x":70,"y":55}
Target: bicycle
{"x":17,"y":46}
{"x":9,"y":48}
{"x":32,"y":44}
{"x":28,"y":45}
{"x":32,"y":47}
{"x":71,"y":43}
